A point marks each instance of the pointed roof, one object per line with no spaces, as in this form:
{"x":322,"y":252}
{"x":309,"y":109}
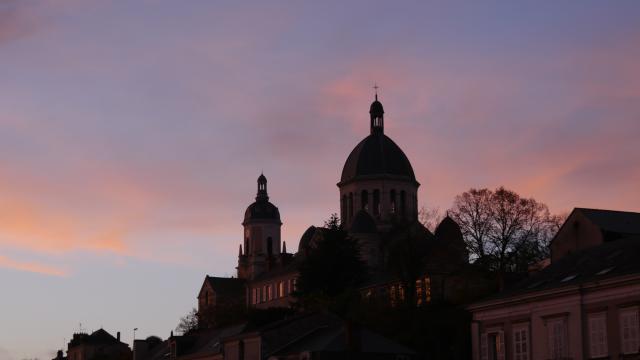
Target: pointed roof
{"x":623,"y":222}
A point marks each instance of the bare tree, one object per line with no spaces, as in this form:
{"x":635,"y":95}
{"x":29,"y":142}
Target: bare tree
{"x":430,"y":217}
{"x":188,"y":323}
{"x":504,"y":231}
{"x":471,"y":210}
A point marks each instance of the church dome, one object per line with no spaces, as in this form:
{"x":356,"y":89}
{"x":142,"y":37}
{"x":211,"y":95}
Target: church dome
{"x":305,"y":240}
{"x":377,"y":154}
{"x":363,"y":223}
{"x":262,"y":209}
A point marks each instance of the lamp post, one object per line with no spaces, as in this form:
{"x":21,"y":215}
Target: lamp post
{"x":133,"y":345}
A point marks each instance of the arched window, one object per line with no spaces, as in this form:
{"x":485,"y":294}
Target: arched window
{"x":392,"y":198}
{"x":376,"y":202}
{"x":403,"y":203}
{"x":269,"y":246}
{"x":364,"y":199}
{"x":343,"y":208}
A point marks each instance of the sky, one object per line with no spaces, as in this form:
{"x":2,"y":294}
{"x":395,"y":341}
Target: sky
{"x":132,"y":132}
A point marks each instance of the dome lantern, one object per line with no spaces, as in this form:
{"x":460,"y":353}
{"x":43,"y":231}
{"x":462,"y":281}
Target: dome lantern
{"x":262,"y":189}
{"x":376,"y":112}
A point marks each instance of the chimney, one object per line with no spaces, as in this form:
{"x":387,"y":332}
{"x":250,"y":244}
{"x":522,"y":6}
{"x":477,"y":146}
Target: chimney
{"x":60,"y":355}
{"x":118,"y":336}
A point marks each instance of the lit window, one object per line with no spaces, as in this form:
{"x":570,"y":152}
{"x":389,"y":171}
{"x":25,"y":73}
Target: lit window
{"x":419,"y":291}
{"x":427,"y":289}
{"x":629,"y":332}
{"x":492,"y":345}
{"x":557,"y":338}
{"x":269,"y":292}
{"x":392,"y":295}
{"x":521,"y":342}
{"x":295,"y":284}
{"x":281,"y":289}
{"x":264,"y":293}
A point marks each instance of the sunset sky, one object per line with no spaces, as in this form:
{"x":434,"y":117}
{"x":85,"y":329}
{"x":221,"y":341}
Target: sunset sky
{"x":132,"y":132}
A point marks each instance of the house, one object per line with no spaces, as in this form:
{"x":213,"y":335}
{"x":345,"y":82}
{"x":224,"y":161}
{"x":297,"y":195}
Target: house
{"x":99,"y":345}
{"x":583,"y":305}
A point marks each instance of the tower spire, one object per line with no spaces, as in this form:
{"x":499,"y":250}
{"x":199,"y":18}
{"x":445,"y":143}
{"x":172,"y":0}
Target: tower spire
{"x":262,"y":188}
{"x":377,"y":114}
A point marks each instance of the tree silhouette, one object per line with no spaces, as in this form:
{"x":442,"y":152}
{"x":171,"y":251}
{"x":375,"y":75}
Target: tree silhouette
{"x":504,"y":231}
{"x":331,"y":269}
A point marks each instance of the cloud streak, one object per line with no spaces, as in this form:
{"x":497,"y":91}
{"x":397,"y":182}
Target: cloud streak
{"x":32,"y":267}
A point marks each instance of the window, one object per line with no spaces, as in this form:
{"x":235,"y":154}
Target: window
{"x":269,"y":292}
{"x":281,"y":289}
{"x":427,"y":289}
{"x":295,"y":284}
{"x":269,"y":246}
{"x":254,"y":296}
{"x":364,"y":199}
{"x":392,"y":295}
{"x":597,"y":335}
{"x":376,"y":202}
{"x":629,"y":332}
{"x":403,"y":203}
{"x":492,"y":345}
{"x":343,"y":208}
{"x":264,"y":293}
{"x":419,"y":291}
{"x":392,"y":200}
{"x":290,"y":285}
{"x":521,"y":342}
{"x":350,"y":206}
{"x":557,"y":338}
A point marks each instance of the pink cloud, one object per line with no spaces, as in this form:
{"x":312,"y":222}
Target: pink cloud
{"x":8,"y":263}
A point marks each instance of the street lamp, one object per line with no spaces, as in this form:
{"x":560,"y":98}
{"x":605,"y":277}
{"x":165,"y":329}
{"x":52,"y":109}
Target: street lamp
{"x":133,"y":345}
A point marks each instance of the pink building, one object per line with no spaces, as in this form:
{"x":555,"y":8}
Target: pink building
{"x":584,"y":305}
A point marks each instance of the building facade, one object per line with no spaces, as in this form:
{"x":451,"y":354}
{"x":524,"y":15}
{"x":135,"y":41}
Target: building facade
{"x":584,"y":305}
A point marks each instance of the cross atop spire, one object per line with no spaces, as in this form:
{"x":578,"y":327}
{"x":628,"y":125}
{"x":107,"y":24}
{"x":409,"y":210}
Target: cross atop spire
{"x":376,"y":87}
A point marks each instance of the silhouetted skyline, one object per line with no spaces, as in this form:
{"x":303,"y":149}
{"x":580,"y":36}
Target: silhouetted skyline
{"x":131,"y":134}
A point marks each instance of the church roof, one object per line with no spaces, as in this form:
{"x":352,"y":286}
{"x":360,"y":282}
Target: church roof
{"x":306,"y":238}
{"x":262,"y":210}
{"x":448,"y":229}
{"x":377,"y":155}
{"x":223,"y":285}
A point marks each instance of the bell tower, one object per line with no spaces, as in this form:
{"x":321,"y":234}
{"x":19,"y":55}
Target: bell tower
{"x":261,"y":241}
